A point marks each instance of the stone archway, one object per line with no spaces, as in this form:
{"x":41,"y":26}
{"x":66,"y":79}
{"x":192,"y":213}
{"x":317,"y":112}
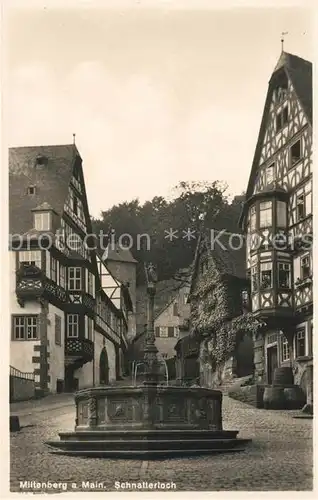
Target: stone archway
{"x":103,"y":368}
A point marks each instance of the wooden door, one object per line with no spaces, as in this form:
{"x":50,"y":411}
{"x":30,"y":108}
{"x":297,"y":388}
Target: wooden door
{"x":272,"y":362}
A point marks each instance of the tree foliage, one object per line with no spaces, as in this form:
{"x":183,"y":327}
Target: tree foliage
{"x":194,"y":205}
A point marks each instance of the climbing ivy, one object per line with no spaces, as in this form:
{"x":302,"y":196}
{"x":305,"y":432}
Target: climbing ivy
{"x":217,"y":318}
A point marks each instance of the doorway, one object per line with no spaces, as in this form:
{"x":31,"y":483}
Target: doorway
{"x":272,"y":362}
{"x":103,"y":368}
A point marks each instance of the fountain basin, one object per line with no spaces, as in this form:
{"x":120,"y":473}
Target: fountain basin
{"x":147,"y":421}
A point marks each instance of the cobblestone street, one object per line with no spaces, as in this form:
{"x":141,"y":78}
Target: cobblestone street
{"x":279,"y":457}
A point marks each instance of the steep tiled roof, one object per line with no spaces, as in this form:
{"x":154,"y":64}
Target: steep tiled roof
{"x":120,"y":254}
{"x":300,"y":73}
{"x":228,"y":253}
{"x":50,"y":179}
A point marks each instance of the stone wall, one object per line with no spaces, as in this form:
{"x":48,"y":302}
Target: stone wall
{"x":21,"y":389}
{"x":249,"y":394}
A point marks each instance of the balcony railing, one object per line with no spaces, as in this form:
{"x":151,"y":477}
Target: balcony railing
{"x":80,"y":349}
{"x":32,"y":284}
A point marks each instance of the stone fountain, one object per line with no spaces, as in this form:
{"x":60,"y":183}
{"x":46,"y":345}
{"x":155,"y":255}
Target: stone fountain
{"x":150,"y":420}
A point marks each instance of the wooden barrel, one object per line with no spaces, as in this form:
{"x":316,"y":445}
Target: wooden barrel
{"x":283,"y":376}
{"x":14,"y":423}
{"x":273,"y":398}
{"x":294,"y":397}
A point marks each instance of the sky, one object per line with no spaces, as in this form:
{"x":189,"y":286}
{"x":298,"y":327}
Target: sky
{"x":154,"y":96}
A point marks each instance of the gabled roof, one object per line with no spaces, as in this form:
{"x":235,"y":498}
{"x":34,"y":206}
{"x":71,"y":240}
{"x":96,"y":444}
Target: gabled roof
{"x":226,"y":250}
{"x":51,"y":181}
{"x":299,"y":72}
{"x":120,"y":254}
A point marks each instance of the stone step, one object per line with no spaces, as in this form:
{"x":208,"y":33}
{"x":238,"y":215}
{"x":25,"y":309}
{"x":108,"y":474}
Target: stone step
{"x":155,"y":434}
{"x":146,"y":454}
{"x":151,"y":445}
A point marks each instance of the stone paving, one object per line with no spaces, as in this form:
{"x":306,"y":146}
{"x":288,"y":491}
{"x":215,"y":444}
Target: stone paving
{"x":279,"y":457}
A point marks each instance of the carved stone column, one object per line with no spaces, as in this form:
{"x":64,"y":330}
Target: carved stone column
{"x":92,"y":412}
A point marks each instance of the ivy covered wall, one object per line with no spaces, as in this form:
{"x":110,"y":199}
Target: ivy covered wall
{"x":217,"y":318}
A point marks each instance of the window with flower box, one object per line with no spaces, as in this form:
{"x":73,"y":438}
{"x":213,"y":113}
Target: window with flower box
{"x":284,"y":275}
{"x":30,"y":257}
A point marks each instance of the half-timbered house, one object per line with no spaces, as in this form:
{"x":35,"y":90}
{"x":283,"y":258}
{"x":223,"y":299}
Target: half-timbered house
{"x":68,"y":313}
{"x":277,"y":219}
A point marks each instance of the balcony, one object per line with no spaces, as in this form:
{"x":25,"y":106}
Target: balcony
{"x":79,"y":350}
{"x":32,"y":284}
{"x":29,"y":284}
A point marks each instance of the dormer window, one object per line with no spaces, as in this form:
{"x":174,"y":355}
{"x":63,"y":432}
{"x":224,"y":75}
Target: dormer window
{"x":31,"y":190}
{"x":42,"y":221}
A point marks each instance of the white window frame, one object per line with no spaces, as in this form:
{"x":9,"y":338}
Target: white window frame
{"x":302,"y":259}
{"x":265,"y":209}
{"x":285,"y":266}
{"x":72,"y":326}
{"x":270,"y":173}
{"x":281,"y":213}
{"x":74,"y":282}
{"x":42,"y":221}
{"x":163,"y":332}
{"x":252,"y":218}
{"x":90,"y":283}
{"x":284,"y":349}
{"x":254,"y":276}
{"x":62,"y":276}
{"x":53,"y":269}
{"x":299,"y":331}
{"x":266,"y":266}
{"x":27,"y":326}
{"x":89,"y":328}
